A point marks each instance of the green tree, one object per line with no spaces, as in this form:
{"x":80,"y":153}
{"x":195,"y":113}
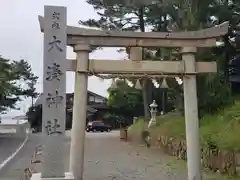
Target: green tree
{"x":213,"y":90}
{"x":34,"y":115}
{"x":125,"y":100}
{"x":16,"y":83}
{"x":123,"y":18}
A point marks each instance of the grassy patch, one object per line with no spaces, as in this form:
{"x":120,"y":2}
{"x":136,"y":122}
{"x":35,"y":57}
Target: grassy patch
{"x":137,"y":127}
{"x":221,"y":129}
{"x":210,"y":176}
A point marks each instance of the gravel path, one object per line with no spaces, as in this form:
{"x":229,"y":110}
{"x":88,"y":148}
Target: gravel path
{"x":106,"y":158}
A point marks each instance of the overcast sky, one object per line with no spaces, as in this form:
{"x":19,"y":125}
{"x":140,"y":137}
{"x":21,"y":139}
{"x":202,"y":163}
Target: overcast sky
{"x":20,"y":38}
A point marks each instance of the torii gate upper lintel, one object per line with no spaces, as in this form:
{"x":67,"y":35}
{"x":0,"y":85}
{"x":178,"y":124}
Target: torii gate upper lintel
{"x":201,"y":38}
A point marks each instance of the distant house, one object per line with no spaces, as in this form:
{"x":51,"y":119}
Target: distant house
{"x":95,"y":102}
{"x":96,"y":106}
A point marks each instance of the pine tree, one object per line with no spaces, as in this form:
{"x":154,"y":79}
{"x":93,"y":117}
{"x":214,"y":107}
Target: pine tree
{"x":133,"y":18}
{"x":12,"y":75}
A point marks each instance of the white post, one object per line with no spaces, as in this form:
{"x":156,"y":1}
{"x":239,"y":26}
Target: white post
{"x":191,"y":115}
{"x":79,"y":112}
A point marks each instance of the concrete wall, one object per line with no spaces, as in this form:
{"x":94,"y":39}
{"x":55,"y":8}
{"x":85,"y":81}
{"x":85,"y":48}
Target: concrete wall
{"x":19,"y":128}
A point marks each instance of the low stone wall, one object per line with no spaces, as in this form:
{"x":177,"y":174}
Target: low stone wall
{"x":214,"y":159}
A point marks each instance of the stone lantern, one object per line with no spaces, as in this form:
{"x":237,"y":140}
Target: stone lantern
{"x":153,"y":111}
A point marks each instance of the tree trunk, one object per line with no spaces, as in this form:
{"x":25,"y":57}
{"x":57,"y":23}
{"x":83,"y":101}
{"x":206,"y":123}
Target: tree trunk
{"x":146,"y":83}
{"x":147,"y":96}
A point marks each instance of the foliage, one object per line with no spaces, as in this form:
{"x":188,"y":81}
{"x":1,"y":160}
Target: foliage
{"x":220,"y":130}
{"x":125,"y":100}
{"x":123,"y":18}
{"x":114,"y":17}
{"x":179,"y":15}
{"x":116,"y":120}
{"x":16,"y":82}
{"x":34,"y":115}
{"x":214,"y":91}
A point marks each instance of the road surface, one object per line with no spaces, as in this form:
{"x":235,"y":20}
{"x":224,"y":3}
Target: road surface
{"x":8,"y":145}
{"x":106,"y":158}
{"x":14,"y":169}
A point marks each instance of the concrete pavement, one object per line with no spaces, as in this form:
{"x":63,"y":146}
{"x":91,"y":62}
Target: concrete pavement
{"x":8,"y":145}
{"x":14,"y":169}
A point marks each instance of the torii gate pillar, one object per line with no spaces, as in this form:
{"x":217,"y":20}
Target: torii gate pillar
{"x":191,"y":114}
{"x":79,"y":112}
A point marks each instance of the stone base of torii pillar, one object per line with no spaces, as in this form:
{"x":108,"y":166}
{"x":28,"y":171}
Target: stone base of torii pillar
{"x":37,"y":176}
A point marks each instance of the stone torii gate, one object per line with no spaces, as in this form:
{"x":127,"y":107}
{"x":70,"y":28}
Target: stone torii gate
{"x":58,"y":35}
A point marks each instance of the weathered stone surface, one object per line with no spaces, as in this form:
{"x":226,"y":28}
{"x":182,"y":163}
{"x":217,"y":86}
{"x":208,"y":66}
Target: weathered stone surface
{"x":54,"y":90}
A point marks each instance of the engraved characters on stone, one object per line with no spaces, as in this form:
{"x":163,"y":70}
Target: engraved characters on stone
{"x":54,"y":99}
{"x":55,"y":44}
{"x":53,"y":72}
{"x":56,"y":20}
{"x":52,"y":127}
